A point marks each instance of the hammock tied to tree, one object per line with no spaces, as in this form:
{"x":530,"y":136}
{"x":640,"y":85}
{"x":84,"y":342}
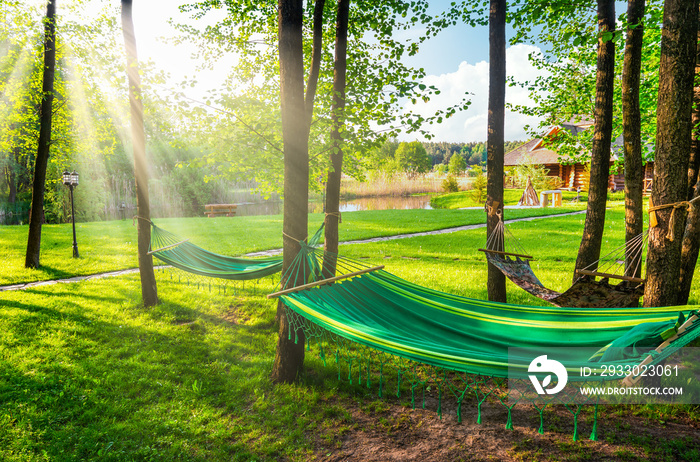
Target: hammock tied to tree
{"x":182,"y":254}
{"x":586,"y":292}
{"x":370,"y":319}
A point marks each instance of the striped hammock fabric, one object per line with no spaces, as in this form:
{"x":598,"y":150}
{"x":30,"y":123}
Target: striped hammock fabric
{"x":384,"y":312}
{"x":174,"y":251}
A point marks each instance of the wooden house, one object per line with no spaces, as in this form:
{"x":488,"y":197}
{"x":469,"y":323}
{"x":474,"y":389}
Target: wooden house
{"x":572,"y":175}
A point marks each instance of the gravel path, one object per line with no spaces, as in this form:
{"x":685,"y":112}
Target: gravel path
{"x":273,"y":252}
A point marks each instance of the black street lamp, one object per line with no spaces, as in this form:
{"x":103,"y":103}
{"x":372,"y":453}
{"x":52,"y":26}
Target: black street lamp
{"x":71,"y":180}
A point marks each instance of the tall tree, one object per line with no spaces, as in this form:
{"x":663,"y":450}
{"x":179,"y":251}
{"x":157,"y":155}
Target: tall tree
{"x":673,"y":140}
{"x":694,"y":161}
{"x":42,"y":156}
{"x":289,"y":358}
{"x":496,"y":282}
{"x":380,"y":82}
{"x":691,"y":237}
{"x":632,"y":126}
{"x":589,"y":250}
{"x":331,"y":237}
{"x":149,"y":290}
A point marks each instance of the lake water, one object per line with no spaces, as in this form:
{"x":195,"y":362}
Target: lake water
{"x":366,"y":203}
{"x":260,"y":208}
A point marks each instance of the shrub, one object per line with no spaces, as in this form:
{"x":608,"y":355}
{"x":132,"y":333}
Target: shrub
{"x":479,"y":182}
{"x":537,"y":173}
{"x":440,"y":169}
{"x":457,"y":165}
{"x":450,"y":184}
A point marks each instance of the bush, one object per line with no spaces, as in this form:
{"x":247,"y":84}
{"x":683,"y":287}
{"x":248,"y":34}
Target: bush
{"x":479,"y":183}
{"x":537,"y":173}
{"x":457,"y":165}
{"x":450,"y":184}
{"x":440,"y":169}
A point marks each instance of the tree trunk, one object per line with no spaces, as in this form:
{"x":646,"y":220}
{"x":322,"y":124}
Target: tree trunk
{"x":632,"y":132}
{"x":36,"y":215}
{"x":11,"y":183}
{"x":289,"y":358}
{"x":496,"y":283}
{"x":332,"y":208}
{"x":691,"y":238}
{"x":316,"y":51}
{"x":589,"y":251}
{"x":673,"y":131}
{"x":149,"y":290}
{"x":694,"y":162}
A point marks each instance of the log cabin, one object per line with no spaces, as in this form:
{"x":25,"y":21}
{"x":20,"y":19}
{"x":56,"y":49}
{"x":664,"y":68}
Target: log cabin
{"x":572,"y":175}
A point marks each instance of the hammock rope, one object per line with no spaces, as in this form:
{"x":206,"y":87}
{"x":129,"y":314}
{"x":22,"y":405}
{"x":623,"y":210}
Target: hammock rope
{"x":183,"y":255}
{"x":586,"y":291}
{"x":374,"y":322}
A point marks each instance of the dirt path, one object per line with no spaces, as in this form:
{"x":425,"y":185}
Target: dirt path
{"x":273,"y":252}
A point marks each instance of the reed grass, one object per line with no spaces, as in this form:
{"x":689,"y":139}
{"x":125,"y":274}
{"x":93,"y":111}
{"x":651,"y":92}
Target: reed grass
{"x":396,"y":185}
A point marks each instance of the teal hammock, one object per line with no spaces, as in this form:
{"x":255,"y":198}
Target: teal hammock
{"x":179,"y":253}
{"x":385,"y":316}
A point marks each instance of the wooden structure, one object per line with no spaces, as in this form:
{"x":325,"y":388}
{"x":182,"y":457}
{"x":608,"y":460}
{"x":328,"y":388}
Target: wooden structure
{"x":324,"y":281}
{"x":529,"y":197}
{"x":571,"y":175}
{"x":217,"y":210}
{"x":555,"y":196}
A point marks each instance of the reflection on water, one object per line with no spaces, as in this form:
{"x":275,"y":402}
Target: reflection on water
{"x":367,"y":203}
{"x":259,"y":208}
{"x":386,"y":203}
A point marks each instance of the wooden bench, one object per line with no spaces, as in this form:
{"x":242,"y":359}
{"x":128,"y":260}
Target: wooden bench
{"x":555,"y":195}
{"x":215,"y":210}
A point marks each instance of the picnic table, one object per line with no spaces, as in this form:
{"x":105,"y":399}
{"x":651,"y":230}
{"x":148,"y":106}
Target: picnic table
{"x":555,"y":196}
{"x":215,"y":210}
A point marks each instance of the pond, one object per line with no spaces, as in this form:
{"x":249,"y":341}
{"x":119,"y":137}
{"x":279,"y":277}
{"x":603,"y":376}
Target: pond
{"x":354,"y":205}
{"x":13,"y":217}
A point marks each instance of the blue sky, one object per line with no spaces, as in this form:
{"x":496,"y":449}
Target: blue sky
{"x":456,"y":61}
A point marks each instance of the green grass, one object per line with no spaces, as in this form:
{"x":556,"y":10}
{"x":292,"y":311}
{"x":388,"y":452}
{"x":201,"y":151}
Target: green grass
{"x":470,"y":198}
{"x":110,"y":246}
{"x":86,"y":373}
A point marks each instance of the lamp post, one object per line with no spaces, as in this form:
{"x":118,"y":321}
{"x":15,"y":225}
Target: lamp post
{"x":71,"y":180}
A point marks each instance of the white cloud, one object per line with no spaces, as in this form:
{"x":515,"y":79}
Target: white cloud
{"x":470,"y":125}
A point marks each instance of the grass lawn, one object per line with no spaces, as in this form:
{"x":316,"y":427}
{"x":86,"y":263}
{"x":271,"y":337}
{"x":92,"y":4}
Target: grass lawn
{"x":470,"y":198}
{"x":86,"y":373}
{"x":110,"y":246}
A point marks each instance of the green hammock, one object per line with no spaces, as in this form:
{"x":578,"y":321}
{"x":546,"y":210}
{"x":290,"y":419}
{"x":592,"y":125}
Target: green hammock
{"x":370,"y":318}
{"x":188,"y":257}
{"x":389,"y":314}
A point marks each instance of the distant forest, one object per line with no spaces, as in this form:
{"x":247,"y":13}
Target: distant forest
{"x":473,"y":152}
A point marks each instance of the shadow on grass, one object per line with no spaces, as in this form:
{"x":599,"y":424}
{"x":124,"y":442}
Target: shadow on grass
{"x":75,"y":385}
{"x":55,"y":273}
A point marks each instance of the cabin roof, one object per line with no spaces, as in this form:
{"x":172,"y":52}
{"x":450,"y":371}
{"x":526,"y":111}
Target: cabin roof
{"x":533,"y":151}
